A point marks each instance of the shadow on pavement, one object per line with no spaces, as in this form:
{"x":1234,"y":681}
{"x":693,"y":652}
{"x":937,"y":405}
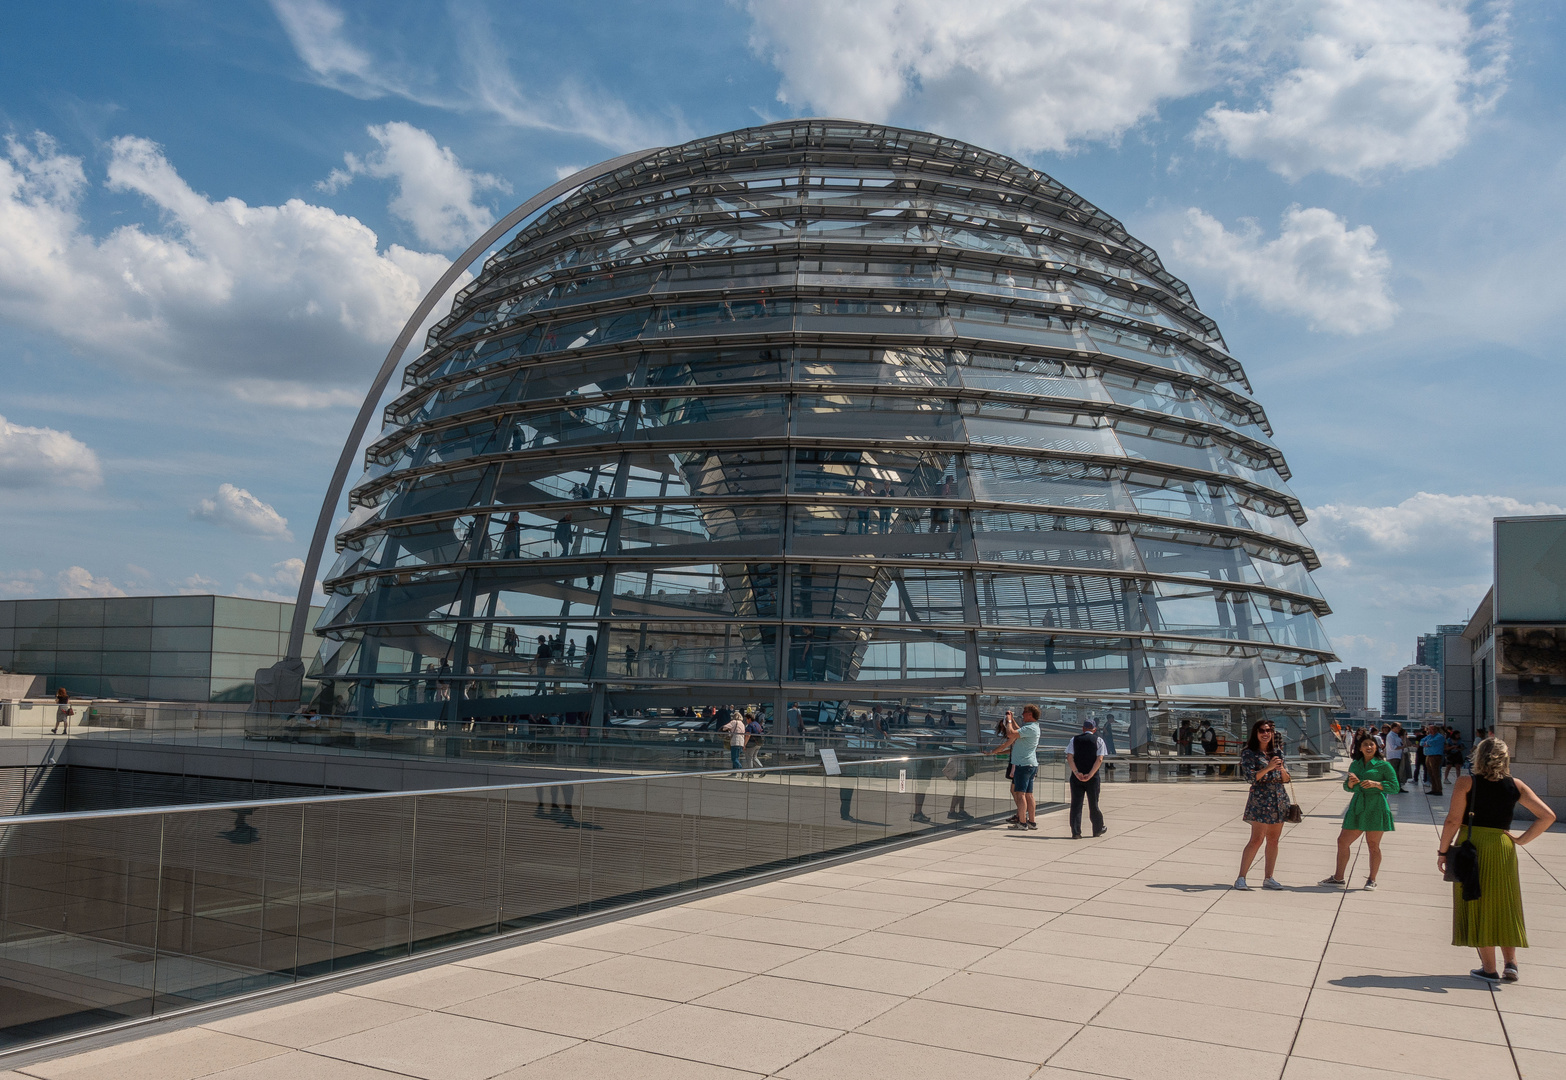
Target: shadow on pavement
{"x":1429,"y":984}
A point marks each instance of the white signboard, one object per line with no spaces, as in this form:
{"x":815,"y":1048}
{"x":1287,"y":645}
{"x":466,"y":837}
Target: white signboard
{"x":902,"y":781}
{"x":829,"y":762}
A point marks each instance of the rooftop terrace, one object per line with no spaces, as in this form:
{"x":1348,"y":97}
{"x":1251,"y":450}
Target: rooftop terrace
{"x":983,"y":953}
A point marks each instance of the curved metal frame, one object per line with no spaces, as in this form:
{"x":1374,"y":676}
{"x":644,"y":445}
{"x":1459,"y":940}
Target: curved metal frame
{"x":361,"y":423}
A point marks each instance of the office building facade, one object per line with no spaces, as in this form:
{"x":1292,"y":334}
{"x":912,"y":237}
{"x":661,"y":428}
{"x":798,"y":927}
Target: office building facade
{"x":1353,"y":685}
{"x":1418,"y":691}
{"x":833,"y":414}
{"x":148,"y":648}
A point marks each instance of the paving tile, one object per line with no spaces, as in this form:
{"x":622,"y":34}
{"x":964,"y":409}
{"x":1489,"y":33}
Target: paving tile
{"x":304,"y":1065}
{"x":1539,"y":1065}
{"x":1416,"y":1017}
{"x":785,"y":932}
{"x":753,"y":1044}
{"x":1219,"y":991}
{"x":1399,"y":1051}
{"x":301,"y":1023}
{"x":916,"y":950}
{"x":539,"y":960}
{"x":436,"y":988}
{"x":1534,"y":1000}
{"x":1047,"y":939}
{"x":617,"y":937}
{"x":1025,"y":997}
{"x":1258,"y":966}
{"x":648,"y":976}
{"x":739,"y":954}
{"x":1052,"y":967}
{"x":598,"y":1061}
{"x":301,"y":1065}
{"x":581,"y":1012}
{"x":864,"y":973}
{"x":835,"y":915}
{"x":1135,"y":1056}
{"x":173,"y":1055}
{"x":441,"y":1046}
{"x":1194,"y":1020}
{"x":686,"y":919}
{"x":1536,"y":1032}
{"x":815,"y":1003}
{"x":864,"y":1057}
{"x":1071,"y":923}
{"x":977,"y":1031}
{"x":976,"y":929}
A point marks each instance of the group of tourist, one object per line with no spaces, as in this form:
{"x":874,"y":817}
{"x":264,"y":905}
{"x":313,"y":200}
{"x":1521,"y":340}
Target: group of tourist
{"x":1432,"y":751}
{"x":1487,"y":911}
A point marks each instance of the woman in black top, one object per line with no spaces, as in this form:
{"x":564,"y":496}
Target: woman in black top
{"x":1487,"y":800}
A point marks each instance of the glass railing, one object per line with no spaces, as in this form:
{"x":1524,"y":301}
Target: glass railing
{"x":112,"y":916}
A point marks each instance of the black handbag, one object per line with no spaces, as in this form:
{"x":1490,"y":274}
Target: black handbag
{"x":1296,"y":814}
{"x":1462,"y":860}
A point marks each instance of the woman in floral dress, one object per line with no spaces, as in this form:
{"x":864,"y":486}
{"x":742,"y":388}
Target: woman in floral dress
{"x":1267,"y":808}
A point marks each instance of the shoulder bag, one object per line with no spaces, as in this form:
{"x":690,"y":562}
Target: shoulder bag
{"x":1296,"y":815}
{"x":1462,"y":860}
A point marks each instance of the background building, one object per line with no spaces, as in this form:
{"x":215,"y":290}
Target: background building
{"x":154,"y":648}
{"x":1418,"y":691}
{"x":1435,"y":649}
{"x":829,"y":413}
{"x":1517,"y":640}
{"x":1389,"y":696}
{"x":1354,"y":690}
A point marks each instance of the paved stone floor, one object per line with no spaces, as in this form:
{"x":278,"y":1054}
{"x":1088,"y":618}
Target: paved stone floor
{"x":987,"y":954}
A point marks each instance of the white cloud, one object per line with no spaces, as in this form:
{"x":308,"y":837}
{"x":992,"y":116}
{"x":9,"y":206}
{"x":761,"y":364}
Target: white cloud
{"x":293,"y":297}
{"x":479,"y":77}
{"x":76,"y":581}
{"x":281,"y":584}
{"x":1018,"y":75}
{"x":197,"y":585}
{"x":1376,"y":86}
{"x":15,"y":584}
{"x":435,"y":194}
{"x":1316,"y":267}
{"x":235,"y":508}
{"x":1393,"y":572}
{"x":315,"y":29}
{"x":40,"y":457}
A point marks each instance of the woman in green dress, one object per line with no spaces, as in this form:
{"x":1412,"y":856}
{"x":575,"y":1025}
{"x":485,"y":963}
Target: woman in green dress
{"x":1371,"y":778}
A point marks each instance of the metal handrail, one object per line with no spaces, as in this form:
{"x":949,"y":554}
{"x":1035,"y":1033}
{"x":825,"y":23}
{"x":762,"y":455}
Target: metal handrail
{"x":301,"y":800}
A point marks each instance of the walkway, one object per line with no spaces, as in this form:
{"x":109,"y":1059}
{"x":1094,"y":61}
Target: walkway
{"x":986,"y":954}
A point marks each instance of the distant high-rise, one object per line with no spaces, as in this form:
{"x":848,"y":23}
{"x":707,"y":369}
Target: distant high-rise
{"x":1354,"y":688}
{"x":1389,"y":695}
{"x":1418,"y":691}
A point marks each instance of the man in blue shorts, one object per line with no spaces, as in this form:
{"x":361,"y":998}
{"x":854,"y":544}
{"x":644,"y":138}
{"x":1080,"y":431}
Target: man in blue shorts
{"x":1023,"y":746}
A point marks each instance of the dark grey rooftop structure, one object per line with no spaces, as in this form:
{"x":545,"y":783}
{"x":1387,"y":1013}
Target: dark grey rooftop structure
{"x":830,"y":413}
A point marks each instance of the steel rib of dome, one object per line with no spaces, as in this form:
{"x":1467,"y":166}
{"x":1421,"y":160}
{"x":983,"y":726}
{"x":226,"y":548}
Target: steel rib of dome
{"x":829,"y":413}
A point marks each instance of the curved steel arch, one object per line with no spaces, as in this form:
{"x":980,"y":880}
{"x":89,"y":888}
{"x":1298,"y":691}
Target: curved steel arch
{"x":361,"y":423}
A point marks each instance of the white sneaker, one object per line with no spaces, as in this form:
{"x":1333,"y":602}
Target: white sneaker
{"x":1239,"y":883}
{"x":1272,"y":883}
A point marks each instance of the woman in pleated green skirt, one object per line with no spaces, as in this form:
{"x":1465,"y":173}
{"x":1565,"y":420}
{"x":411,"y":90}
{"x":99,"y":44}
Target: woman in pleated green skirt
{"x":1481,"y":811}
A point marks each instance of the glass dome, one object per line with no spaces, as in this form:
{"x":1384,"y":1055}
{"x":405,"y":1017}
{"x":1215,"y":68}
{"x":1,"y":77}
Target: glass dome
{"x":830,"y":414}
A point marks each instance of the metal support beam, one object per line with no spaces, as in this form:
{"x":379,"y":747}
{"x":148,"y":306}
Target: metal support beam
{"x":361,"y":423}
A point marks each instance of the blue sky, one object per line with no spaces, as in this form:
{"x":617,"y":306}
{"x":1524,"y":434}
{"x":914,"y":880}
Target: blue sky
{"x":213,"y":219}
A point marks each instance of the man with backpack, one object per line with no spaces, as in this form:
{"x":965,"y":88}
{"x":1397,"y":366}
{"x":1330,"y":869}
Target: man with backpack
{"x":1085,"y":757}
